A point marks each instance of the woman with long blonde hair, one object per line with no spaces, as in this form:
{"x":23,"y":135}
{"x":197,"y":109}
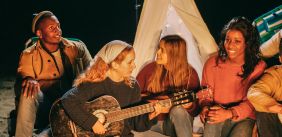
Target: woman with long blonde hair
{"x":108,"y":74}
{"x":170,"y":73}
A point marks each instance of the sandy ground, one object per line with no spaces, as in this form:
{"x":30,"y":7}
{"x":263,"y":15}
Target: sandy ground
{"x":6,"y":102}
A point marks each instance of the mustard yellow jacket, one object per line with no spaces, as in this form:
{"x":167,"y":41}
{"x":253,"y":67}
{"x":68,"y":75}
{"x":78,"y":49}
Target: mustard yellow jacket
{"x":36,"y":63}
{"x":267,"y":90}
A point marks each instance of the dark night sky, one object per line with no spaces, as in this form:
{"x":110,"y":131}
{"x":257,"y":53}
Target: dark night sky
{"x":98,"y":22}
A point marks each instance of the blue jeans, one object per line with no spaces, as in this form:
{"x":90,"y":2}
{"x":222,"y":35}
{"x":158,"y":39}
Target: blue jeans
{"x":229,"y":128}
{"x":268,"y":125}
{"x":179,"y":123}
{"x":28,"y":111}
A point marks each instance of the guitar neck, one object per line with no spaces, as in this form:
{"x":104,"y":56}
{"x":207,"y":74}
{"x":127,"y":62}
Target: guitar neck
{"x":133,"y":111}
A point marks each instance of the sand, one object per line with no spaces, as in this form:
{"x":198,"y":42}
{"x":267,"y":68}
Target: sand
{"x":6,"y":102}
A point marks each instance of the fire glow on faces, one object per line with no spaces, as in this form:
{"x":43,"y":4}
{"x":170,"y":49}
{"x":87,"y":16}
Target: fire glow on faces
{"x":50,"y":30}
{"x":161,"y":54}
{"x":235,"y":45}
{"x":126,"y":67}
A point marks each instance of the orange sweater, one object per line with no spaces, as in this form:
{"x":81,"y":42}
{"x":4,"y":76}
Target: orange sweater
{"x":228,"y":87}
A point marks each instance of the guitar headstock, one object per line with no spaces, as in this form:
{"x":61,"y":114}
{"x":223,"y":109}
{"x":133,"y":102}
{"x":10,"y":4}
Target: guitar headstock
{"x":182,"y":97}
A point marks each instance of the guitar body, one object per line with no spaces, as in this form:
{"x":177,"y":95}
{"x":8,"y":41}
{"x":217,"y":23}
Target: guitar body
{"x":62,"y":125}
{"x":107,"y":110}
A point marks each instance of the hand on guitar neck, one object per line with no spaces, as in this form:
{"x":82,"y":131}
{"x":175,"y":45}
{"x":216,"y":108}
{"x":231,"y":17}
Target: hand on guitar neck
{"x":159,"y":108}
{"x":110,"y":115}
{"x":99,"y":128}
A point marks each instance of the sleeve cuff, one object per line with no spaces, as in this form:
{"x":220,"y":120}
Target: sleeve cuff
{"x":89,"y":123}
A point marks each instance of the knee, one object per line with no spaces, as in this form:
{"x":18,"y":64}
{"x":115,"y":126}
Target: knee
{"x":27,"y":103}
{"x":26,"y":100}
{"x":178,"y":112}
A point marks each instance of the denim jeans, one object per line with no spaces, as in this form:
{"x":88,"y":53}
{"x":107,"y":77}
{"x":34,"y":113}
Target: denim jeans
{"x":229,"y":128}
{"x":268,"y":125}
{"x":179,"y":123}
{"x":28,"y":111}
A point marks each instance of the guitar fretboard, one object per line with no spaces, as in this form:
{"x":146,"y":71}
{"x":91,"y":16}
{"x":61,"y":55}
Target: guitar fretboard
{"x":134,"y":111}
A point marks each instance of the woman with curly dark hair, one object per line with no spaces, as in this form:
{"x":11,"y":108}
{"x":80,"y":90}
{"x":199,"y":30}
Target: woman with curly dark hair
{"x":227,"y":76}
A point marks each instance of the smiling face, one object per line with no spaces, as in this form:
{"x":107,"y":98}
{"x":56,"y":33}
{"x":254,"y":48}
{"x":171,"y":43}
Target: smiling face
{"x":235,"y":45}
{"x":50,"y":31}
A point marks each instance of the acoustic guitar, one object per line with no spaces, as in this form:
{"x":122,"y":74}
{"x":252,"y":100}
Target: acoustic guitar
{"x":107,"y":110}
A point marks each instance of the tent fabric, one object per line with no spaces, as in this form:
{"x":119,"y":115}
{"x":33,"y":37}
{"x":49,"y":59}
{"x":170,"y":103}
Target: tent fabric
{"x":175,"y":25}
{"x":269,"y":23}
{"x":153,"y":22}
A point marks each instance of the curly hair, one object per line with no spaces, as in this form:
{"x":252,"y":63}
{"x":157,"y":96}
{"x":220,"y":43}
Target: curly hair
{"x":252,"y":42}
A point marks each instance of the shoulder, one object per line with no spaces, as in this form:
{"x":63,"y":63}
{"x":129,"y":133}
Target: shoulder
{"x":28,"y":52}
{"x":192,"y":69}
{"x":260,"y":67}
{"x":261,"y":64}
{"x":211,"y":61}
{"x":73,"y":43}
{"x":274,"y":69}
{"x":87,"y":85}
{"x":147,"y":69}
{"x":258,"y":70}
{"x":149,"y":66}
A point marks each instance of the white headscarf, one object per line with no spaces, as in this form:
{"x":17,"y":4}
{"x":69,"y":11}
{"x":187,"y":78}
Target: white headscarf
{"x":111,"y":50}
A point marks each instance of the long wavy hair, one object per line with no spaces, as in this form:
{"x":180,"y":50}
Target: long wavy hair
{"x":98,"y":68}
{"x":177,"y":68}
{"x":252,"y":42}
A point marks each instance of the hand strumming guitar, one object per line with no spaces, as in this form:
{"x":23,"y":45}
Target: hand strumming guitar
{"x":30,"y":87}
{"x":98,"y":128}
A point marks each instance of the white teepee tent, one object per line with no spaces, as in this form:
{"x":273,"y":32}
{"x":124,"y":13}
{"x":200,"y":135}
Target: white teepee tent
{"x":163,"y":17}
